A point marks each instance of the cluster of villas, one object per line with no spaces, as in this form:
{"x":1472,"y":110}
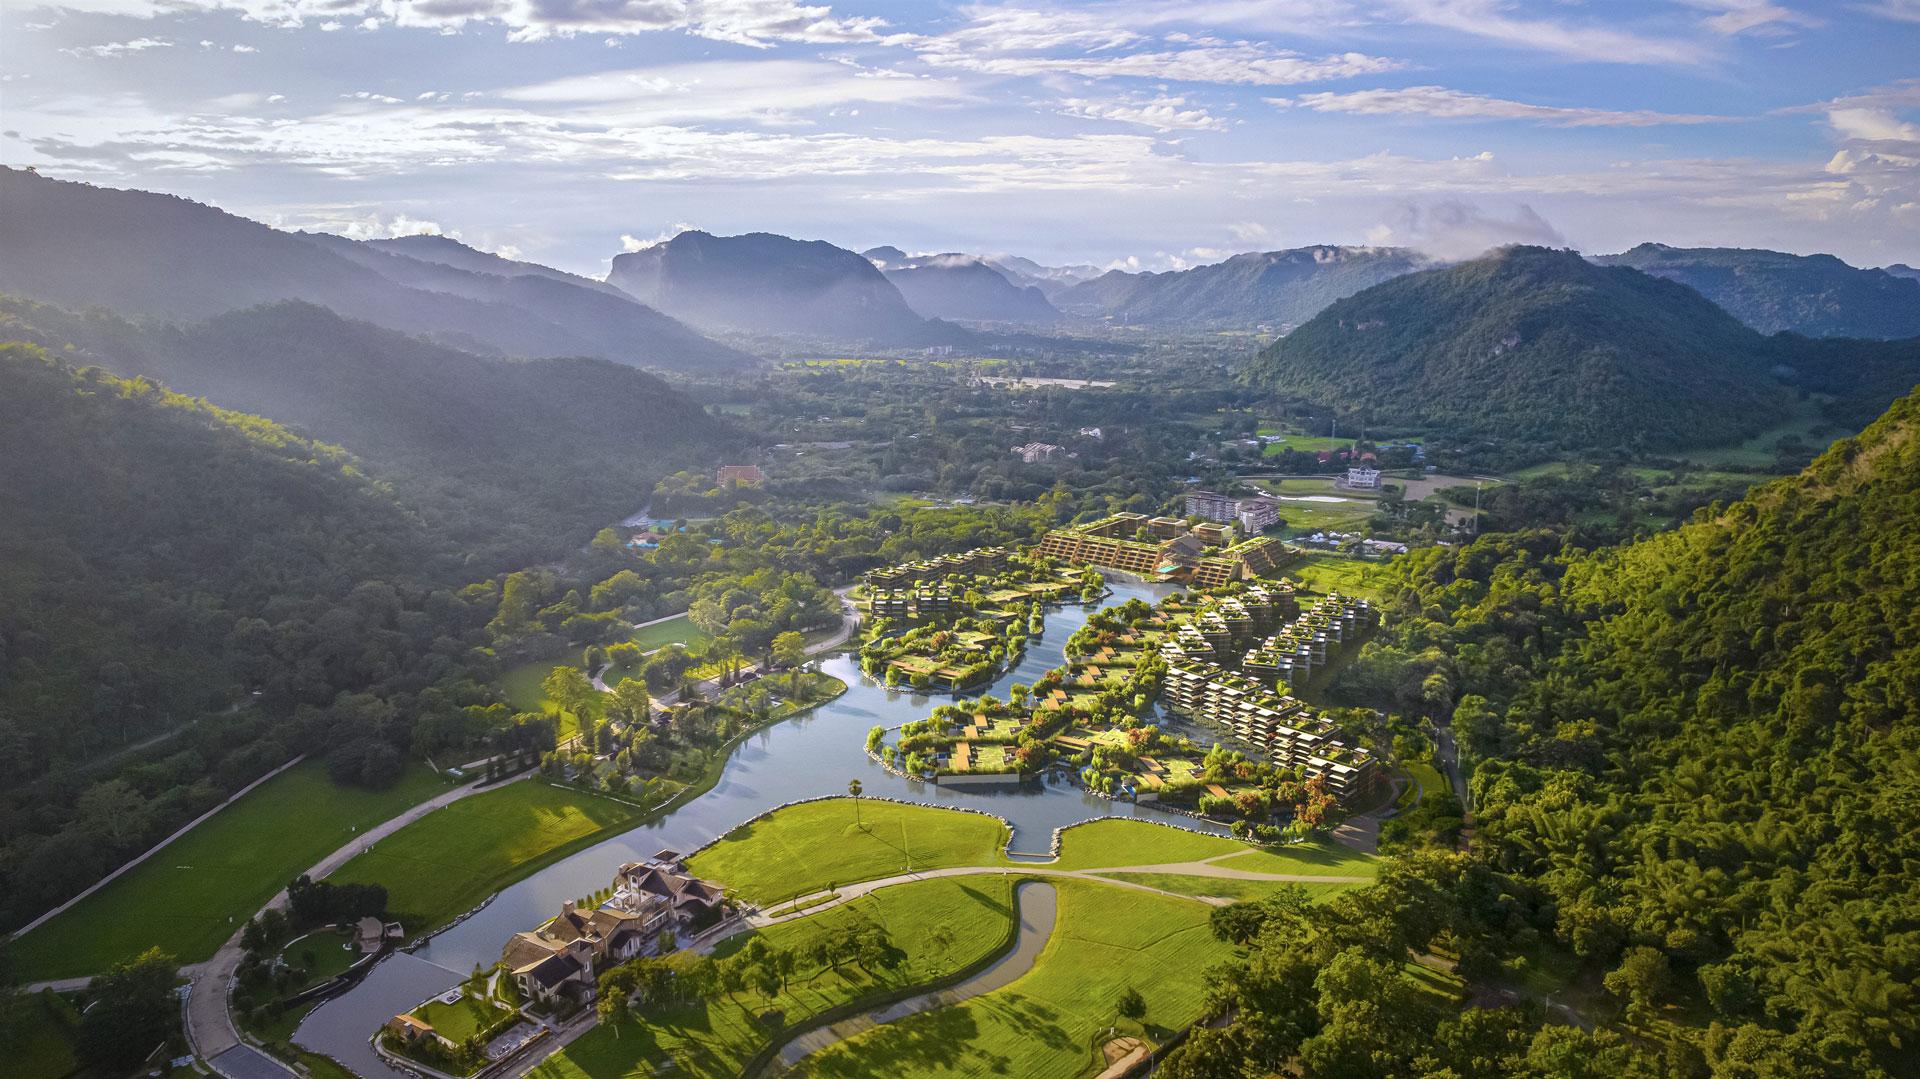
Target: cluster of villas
{"x":949,"y":622}
{"x":1167,"y":549}
{"x":1223,"y":657}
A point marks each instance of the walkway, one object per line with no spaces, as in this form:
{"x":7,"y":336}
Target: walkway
{"x":1207,"y":867}
{"x":210,"y":1021}
{"x":1035,"y":906}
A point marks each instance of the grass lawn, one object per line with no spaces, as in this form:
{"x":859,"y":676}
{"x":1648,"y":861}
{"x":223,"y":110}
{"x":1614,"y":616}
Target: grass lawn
{"x":680,"y":630}
{"x":462,"y":1019}
{"x":1324,"y":573}
{"x":1047,"y":1023}
{"x":445,"y":863}
{"x":1307,"y":860}
{"x":1116,"y":841}
{"x":331,"y":955}
{"x":522,"y":688}
{"x":807,"y":848}
{"x":1224,"y":887}
{"x":190,"y":897}
{"x":1427,"y":780}
{"x":38,"y":1044}
{"x":716,"y":1038}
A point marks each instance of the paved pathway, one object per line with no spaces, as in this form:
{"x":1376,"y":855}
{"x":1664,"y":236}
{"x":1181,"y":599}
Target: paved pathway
{"x":210,"y":1021}
{"x":846,"y":893}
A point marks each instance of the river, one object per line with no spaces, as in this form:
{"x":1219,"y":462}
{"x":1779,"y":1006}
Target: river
{"x":805,"y":757}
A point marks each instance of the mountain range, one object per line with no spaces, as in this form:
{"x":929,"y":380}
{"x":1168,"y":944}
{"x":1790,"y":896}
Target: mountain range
{"x":148,"y":255}
{"x":518,"y":457}
{"x":959,"y":287}
{"x":1530,"y":345}
{"x":1269,"y":288}
{"x":1815,"y":295}
{"x":761,"y":283}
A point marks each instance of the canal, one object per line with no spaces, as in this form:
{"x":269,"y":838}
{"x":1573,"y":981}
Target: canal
{"x":805,"y":757}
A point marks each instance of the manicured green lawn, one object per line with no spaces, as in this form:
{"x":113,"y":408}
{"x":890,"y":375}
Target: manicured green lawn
{"x":1115,"y":841}
{"x":1048,"y":1022}
{"x":37,"y":1044}
{"x":1306,"y":859}
{"x":190,"y":897}
{"x":679,"y":630}
{"x":462,"y":1019}
{"x":330,"y":952}
{"x":1337,"y":573}
{"x":1224,"y":887}
{"x":445,"y":863}
{"x":714,"y":1039}
{"x":806,"y":848}
{"x":521,"y":685}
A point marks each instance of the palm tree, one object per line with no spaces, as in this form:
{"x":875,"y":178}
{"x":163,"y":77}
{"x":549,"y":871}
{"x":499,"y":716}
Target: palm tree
{"x":854,"y":789}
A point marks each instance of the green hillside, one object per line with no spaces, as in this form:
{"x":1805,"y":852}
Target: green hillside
{"x":1533,"y":346}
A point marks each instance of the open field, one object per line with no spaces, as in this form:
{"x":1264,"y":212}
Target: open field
{"x":1115,"y":841}
{"x":680,"y":630}
{"x":1323,"y":572}
{"x":1806,"y":424}
{"x":810,"y":847}
{"x":521,"y":685}
{"x":1225,"y":887}
{"x":38,"y":1044}
{"x":190,"y":897}
{"x":1048,"y":1022}
{"x":445,"y":863}
{"x":323,"y":954}
{"x":715,"y":1038}
{"x":1306,"y":859}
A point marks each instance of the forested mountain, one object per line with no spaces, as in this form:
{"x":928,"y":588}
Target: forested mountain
{"x":1815,"y":295}
{"x":520,"y":459}
{"x":148,"y":255}
{"x":576,"y":315}
{"x":451,"y":252}
{"x":1901,"y":269}
{"x":1050,"y":280}
{"x":1259,"y":288}
{"x":1701,"y":753}
{"x":767,"y":284}
{"x":1535,"y":346}
{"x":159,"y":559}
{"x":963,"y":287}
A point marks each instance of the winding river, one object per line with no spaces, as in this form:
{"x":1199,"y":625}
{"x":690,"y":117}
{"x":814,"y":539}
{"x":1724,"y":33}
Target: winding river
{"x":805,"y":757}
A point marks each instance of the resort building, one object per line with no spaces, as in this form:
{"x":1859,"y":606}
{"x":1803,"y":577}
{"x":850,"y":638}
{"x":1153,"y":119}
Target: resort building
{"x":1035,"y":453}
{"x":1256,"y":515}
{"x":1212,"y":506}
{"x":970,"y":563}
{"x":1134,"y":543}
{"x":1280,"y":727}
{"x":650,"y":899}
{"x":742,"y":475}
{"x":1362,"y":479}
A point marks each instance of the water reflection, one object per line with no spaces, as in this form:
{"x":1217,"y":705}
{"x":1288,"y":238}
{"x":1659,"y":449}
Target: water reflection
{"x":806,"y":757}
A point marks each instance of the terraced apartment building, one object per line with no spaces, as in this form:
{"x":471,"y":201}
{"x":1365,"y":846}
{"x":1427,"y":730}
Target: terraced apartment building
{"x":1204,"y":556}
{"x":967,"y":563}
{"x":1244,"y":630}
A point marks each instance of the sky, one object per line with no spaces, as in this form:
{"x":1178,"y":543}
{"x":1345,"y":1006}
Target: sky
{"x":1119,"y":133}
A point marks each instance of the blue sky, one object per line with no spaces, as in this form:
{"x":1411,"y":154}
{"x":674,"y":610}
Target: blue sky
{"x":1115,"y":133}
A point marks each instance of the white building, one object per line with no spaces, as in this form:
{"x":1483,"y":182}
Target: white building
{"x":1363,"y":479}
{"x":1036,"y":452}
{"x":1256,"y":515}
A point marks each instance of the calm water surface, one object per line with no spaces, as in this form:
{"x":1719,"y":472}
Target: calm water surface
{"x":805,"y":757}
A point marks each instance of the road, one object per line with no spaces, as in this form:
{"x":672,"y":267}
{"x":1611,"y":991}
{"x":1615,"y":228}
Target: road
{"x":209,"y":1019}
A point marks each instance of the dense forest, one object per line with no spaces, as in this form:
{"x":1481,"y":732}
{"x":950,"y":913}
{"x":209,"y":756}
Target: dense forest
{"x":152,"y":661}
{"x":1542,"y":349}
{"x":1694,"y":766}
{"x":515,"y":459}
{"x":1815,"y":295}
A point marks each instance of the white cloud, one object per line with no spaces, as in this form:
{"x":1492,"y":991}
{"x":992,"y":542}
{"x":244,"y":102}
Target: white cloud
{"x":1195,"y":60}
{"x":774,"y":91}
{"x":1161,"y":113}
{"x":1872,"y":125}
{"x":375,"y":226}
{"x":1443,"y":103}
{"x":1901,"y":10}
{"x":1453,"y":230}
{"x":114,"y":49}
{"x":1742,"y":16}
{"x":1599,"y":41}
{"x":630,"y":242}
